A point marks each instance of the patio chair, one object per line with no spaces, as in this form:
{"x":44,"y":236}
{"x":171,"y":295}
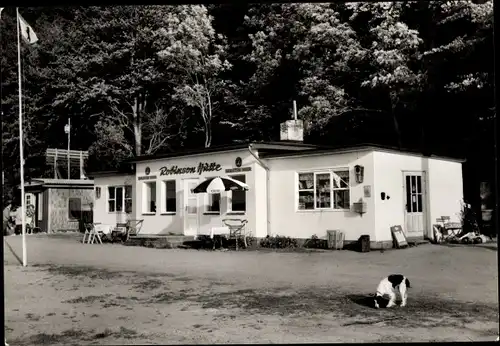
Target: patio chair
{"x":236,"y":230}
{"x":133,"y":228}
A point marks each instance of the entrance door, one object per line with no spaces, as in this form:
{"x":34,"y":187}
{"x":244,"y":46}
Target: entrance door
{"x":190,"y":207}
{"x":415,"y":203}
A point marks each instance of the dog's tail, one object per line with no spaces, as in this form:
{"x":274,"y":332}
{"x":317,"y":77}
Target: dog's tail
{"x":407,"y":282}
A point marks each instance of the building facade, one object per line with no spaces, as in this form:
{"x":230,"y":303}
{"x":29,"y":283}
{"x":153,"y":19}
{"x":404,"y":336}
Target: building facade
{"x":295,"y":190}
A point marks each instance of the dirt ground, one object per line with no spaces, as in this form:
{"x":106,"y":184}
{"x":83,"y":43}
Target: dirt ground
{"x":112,"y":294}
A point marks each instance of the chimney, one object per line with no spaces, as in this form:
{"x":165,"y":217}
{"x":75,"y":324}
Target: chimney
{"x":292,"y":130}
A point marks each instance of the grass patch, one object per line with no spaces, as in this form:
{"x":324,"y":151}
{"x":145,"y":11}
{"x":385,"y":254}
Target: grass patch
{"x":169,"y":297}
{"x":150,"y":284}
{"x":32,"y":317}
{"x":88,"y":299}
{"x":66,"y":337}
{"x":83,"y":271}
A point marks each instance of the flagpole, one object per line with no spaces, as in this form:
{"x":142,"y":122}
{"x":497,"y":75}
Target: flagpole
{"x":21,"y":156}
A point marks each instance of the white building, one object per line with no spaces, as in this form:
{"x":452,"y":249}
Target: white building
{"x":296,"y":190}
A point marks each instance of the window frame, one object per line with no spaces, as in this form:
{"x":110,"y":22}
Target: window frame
{"x":315,"y":172}
{"x":230,"y":197}
{"x":206,"y":202}
{"x":108,"y":199}
{"x":145,"y":200}
{"x":164,"y":192}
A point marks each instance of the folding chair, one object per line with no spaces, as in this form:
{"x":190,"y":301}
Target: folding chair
{"x":86,"y":236}
{"x":133,"y":228}
{"x":236,"y":230}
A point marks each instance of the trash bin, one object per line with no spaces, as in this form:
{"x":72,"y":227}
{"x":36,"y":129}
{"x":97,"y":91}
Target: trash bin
{"x":364,"y":241}
{"x":335,"y":239}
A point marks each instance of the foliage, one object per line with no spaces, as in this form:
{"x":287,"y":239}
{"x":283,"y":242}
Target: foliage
{"x":194,"y":50}
{"x":148,"y":79}
{"x":278,"y":242}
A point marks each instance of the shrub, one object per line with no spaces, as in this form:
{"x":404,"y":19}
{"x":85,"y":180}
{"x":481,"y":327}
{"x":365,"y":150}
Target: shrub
{"x":278,"y":242}
{"x":250,"y":242}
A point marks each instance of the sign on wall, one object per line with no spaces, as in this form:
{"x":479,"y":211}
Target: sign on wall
{"x":241,"y":169}
{"x":201,"y":168}
{"x":147,"y":177}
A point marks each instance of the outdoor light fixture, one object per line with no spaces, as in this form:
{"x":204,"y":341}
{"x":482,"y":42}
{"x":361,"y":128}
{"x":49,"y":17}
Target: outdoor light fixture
{"x":360,"y":172}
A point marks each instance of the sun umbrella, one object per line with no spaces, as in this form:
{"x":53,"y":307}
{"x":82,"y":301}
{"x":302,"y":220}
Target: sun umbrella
{"x":219,"y":184}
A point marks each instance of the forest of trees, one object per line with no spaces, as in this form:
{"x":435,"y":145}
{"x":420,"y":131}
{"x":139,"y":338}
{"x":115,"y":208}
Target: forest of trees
{"x":149,"y":79}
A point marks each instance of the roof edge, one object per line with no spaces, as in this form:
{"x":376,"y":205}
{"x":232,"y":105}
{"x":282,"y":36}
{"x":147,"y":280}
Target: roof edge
{"x":363,"y":147}
{"x":226,"y":148}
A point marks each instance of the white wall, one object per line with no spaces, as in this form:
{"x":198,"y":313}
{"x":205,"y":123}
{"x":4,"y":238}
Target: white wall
{"x":159,"y":223}
{"x":446,"y":187}
{"x":261,"y":200}
{"x":101,"y":213}
{"x":286,"y":220}
{"x":443,"y":190}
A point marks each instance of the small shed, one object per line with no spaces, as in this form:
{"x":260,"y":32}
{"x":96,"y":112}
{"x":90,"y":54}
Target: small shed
{"x":59,"y":204}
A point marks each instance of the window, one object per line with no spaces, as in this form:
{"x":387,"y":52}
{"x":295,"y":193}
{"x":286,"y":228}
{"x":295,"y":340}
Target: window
{"x":74,"y":208}
{"x":213,"y":202}
{"x":341,"y":193}
{"x":323,"y":190}
{"x":237,"y":201}
{"x":128,"y":199}
{"x":170,"y":200}
{"x":120,"y":200}
{"x":150,"y":197}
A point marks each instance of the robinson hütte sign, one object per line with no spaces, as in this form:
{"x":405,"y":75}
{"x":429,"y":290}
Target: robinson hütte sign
{"x":202,"y":167}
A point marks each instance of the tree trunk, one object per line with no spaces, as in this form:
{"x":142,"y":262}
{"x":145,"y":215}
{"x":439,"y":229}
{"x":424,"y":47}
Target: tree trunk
{"x":396,"y":129}
{"x":136,"y":123}
{"x":208,"y":124}
{"x":395,"y":119}
{"x":208,"y":133}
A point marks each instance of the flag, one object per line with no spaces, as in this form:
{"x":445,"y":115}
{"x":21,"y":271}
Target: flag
{"x":27,"y":31}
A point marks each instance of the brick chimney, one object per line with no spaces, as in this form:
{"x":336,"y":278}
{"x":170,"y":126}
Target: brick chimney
{"x":292,"y":130}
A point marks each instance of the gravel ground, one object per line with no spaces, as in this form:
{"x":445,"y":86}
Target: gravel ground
{"x":107,"y":294}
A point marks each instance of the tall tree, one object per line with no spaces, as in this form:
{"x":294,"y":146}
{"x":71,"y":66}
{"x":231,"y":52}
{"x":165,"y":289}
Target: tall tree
{"x":193,"y":48}
{"x":116,"y":78}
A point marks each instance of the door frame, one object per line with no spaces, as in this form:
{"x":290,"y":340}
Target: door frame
{"x":185,"y":181}
{"x":425,"y":208}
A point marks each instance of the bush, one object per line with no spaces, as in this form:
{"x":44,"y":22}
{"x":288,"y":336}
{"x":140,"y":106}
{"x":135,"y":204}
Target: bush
{"x":250,"y":242}
{"x":278,"y":242}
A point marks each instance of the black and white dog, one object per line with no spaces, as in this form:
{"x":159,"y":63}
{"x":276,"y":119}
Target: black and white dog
{"x":389,"y":286}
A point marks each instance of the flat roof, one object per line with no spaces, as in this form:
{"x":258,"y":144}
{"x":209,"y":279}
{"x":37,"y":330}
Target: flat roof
{"x":281,"y":146}
{"x":47,"y":182}
{"x":362,"y":147}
